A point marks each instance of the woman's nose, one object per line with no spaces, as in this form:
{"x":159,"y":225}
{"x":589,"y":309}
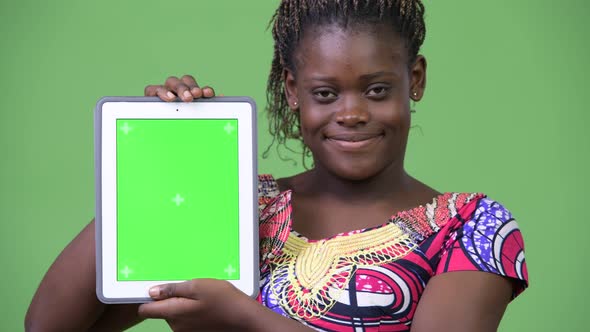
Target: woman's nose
{"x":353,"y":112}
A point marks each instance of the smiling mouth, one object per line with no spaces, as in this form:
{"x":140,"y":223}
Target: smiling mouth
{"x":350,"y":142}
{"x":353,"y":137}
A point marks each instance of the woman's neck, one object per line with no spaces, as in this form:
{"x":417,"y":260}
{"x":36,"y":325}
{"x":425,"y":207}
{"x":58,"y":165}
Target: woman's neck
{"x":387,"y":184}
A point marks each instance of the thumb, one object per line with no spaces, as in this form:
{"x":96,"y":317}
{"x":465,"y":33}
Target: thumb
{"x":178,"y":289}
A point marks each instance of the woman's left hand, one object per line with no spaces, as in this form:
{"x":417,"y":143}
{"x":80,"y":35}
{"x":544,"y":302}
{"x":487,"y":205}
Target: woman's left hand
{"x":199,"y":304}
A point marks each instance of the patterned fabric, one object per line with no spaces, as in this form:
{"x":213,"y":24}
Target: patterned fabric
{"x":372,"y":279}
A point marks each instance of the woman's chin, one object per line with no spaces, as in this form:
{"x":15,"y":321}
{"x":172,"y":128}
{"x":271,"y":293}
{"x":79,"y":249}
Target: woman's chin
{"x":355,"y":173}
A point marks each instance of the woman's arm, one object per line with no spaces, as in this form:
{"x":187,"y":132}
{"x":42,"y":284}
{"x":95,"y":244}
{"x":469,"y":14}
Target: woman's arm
{"x":210,"y":304}
{"x":66,"y":298}
{"x":262,"y":319}
{"x":463,"y":301}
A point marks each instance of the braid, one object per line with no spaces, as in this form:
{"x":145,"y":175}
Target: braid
{"x":290,"y":20}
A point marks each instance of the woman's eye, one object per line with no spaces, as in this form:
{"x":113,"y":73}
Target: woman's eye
{"x":324,"y":95}
{"x":378,"y":91}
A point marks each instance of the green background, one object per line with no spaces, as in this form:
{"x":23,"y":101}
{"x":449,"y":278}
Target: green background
{"x":163,"y":186}
{"x":505,"y":113}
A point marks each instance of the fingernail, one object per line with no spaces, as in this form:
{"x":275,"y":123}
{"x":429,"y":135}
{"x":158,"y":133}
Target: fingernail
{"x":187,"y":94}
{"x":170,"y":95}
{"x":154,"y":291}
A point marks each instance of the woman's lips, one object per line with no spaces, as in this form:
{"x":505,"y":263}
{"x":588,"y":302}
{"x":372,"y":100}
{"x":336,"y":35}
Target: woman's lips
{"x":352,"y":142}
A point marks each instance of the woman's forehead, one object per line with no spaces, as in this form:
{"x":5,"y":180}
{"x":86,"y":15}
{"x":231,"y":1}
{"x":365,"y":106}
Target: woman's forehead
{"x":380,"y":31}
{"x":335,"y":46}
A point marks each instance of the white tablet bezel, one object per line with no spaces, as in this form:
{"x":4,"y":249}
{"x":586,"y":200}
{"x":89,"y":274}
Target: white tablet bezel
{"x":108,"y":110}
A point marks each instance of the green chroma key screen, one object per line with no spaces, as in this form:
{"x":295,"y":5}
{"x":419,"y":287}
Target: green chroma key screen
{"x":177,"y":199}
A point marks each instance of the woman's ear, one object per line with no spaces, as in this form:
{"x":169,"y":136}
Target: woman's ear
{"x":418,"y":78}
{"x":290,"y":89}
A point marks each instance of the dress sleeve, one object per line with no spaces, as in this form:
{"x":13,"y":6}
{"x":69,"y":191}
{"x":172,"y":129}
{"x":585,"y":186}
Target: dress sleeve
{"x":274,"y":219}
{"x":487,"y":240}
{"x":267,"y":190}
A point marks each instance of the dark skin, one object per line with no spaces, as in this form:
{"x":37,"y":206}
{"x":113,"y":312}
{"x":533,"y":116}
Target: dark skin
{"x":352,"y":92}
{"x":66,"y":298}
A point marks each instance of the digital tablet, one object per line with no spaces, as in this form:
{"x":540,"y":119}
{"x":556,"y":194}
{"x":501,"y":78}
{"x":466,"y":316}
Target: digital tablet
{"x":175,"y":194}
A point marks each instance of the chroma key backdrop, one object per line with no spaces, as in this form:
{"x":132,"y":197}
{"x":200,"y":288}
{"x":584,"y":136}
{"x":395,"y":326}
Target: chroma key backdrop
{"x":505,"y":112}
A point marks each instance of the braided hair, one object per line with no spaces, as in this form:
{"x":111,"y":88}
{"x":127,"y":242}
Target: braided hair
{"x":293,"y":17}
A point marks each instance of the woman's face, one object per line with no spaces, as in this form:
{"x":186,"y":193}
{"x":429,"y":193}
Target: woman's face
{"x":352,"y":89}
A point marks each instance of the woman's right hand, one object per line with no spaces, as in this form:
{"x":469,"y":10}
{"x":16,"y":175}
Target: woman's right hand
{"x":185,"y":88}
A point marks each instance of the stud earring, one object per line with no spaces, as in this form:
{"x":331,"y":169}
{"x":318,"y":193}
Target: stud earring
{"x":414,"y":97}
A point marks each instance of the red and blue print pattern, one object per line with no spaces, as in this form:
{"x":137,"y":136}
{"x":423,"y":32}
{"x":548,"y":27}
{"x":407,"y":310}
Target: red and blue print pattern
{"x":377,"y":286}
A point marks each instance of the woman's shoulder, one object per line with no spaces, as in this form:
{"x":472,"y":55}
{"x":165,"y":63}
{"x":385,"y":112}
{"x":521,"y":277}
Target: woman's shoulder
{"x":463,"y":209}
{"x":476,"y":233}
{"x":270,"y":187}
{"x":475,"y":211}
{"x":474,"y":217}
{"x":267,"y":186}
{"x":425,"y":220}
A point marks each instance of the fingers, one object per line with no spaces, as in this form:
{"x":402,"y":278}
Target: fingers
{"x":208,"y":92}
{"x":159,"y":91}
{"x":175,"y":85}
{"x":168,"y":308}
{"x":192,"y":86}
{"x":186,"y":88}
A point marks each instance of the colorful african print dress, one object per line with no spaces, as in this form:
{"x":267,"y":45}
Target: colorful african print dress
{"x":372,"y":279}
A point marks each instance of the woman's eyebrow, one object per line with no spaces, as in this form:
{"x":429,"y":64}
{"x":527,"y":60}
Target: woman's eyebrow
{"x":364,"y":77}
{"x":322,"y":78}
{"x":371,"y":76}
